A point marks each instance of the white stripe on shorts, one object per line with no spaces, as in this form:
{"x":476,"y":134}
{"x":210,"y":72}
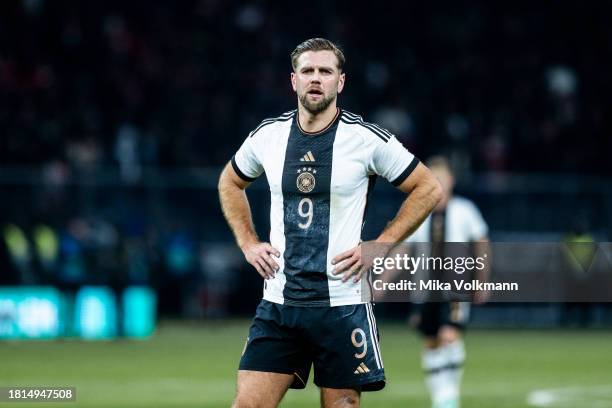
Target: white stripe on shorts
{"x":372,"y":324}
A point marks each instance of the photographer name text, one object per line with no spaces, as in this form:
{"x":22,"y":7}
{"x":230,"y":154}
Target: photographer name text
{"x":437,"y":285}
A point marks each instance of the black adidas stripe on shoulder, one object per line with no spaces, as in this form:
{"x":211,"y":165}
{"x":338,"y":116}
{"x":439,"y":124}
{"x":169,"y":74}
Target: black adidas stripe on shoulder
{"x":357,"y":117}
{"x":383,"y":137}
{"x":353,"y":119}
{"x":282,"y":118}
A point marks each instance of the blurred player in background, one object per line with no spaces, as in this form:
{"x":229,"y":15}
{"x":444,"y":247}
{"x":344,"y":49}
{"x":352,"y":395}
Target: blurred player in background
{"x":320,"y":162}
{"x":455,"y":219}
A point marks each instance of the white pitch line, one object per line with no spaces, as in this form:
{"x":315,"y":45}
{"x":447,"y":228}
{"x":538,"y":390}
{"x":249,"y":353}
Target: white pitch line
{"x":596,"y":396}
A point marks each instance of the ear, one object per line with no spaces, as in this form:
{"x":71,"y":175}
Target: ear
{"x":294,"y":82}
{"x":341,"y":82}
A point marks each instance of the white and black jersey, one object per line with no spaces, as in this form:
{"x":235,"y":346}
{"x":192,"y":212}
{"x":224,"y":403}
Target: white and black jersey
{"x":319,"y":184}
{"x":460,"y":221}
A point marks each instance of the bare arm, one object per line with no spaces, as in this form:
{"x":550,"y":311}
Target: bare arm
{"x":424,"y":192}
{"x":237,"y":212}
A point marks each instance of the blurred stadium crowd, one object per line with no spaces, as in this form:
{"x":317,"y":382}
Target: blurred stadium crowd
{"x":177,"y":84}
{"x":92,"y":88}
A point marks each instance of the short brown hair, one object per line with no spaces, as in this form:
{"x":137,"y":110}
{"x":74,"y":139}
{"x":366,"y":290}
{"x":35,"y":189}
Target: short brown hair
{"x":317,"y":44}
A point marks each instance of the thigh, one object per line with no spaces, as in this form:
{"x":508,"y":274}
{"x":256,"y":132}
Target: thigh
{"x":458,"y":314}
{"x":261,"y":389}
{"x":275,"y":345}
{"x":340,"y":398}
{"x":454,"y":322}
{"x":346,"y":352}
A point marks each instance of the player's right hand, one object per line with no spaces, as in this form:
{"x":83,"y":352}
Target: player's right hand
{"x":259,"y":254}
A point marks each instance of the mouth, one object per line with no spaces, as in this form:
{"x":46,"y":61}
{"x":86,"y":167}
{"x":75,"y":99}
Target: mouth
{"x":315,"y":92}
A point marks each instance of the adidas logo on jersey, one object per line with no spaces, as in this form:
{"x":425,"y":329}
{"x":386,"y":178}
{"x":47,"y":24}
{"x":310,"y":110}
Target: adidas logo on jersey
{"x":361,"y":369}
{"x":308,"y":157}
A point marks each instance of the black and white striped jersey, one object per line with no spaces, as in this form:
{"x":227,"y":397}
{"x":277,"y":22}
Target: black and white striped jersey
{"x":460,"y":221}
{"x":319,"y":184}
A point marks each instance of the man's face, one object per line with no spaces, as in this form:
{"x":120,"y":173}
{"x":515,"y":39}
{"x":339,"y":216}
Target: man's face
{"x":317,"y":80}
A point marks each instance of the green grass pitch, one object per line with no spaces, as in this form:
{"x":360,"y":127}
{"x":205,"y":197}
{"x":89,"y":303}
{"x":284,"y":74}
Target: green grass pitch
{"x":194,"y":365}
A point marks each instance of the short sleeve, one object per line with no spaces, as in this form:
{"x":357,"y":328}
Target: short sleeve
{"x":393,"y":161}
{"x":246,"y":162}
{"x":476,"y":225}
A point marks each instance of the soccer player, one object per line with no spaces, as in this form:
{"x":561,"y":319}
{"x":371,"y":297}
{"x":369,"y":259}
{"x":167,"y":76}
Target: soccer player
{"x":320,"y":162}
{"x":455,"y":219}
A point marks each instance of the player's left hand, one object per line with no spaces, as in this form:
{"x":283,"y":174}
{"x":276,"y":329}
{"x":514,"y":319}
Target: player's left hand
{"x":350,"y":264}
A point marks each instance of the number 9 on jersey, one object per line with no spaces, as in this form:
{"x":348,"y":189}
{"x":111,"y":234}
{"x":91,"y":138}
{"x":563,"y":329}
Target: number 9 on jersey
{"x":306,"y":211}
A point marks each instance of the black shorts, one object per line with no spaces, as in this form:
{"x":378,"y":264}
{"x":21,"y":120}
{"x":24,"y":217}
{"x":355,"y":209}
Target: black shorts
{"x":341,"y":342}
{"x":434,"y":315}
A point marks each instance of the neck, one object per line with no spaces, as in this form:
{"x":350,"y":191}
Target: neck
{"x":313,"y":123}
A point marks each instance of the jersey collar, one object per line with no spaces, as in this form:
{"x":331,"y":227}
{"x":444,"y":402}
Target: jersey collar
{"x":325,"y":129}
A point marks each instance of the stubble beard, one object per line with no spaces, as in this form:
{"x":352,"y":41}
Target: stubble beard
{"x":315,"y":108}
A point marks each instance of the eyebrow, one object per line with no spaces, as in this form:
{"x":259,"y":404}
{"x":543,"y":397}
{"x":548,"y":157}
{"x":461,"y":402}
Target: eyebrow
{"x":321,"y":67}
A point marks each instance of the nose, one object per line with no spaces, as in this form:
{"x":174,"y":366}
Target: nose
{"x":316,"y":77}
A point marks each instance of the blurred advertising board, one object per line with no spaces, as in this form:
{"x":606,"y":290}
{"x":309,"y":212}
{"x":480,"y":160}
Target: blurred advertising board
{"x":40,"y":312}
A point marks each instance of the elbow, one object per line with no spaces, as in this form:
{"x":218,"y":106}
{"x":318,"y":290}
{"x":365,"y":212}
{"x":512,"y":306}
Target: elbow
{"x":436,"y":192}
